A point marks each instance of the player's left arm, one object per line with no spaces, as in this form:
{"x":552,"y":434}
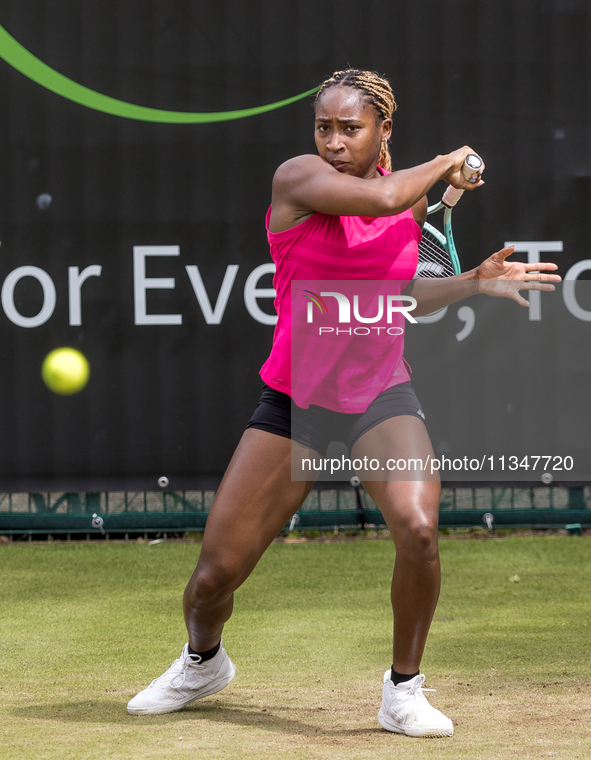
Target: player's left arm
{"x":494,"y":277}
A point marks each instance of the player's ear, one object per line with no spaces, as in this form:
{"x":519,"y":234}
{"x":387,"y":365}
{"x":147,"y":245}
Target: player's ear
{"x":386,"y":129}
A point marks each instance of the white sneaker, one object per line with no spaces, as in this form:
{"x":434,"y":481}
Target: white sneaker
{"x":405,"y":710}
{"x":186,"y":680}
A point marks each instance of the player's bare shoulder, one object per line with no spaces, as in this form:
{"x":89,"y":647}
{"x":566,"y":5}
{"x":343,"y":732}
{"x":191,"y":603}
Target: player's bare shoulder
{"x":290,"y":184}
{"x":297,"y":170}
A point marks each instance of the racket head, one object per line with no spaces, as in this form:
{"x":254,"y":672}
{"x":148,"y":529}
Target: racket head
{"x":437,"y":251}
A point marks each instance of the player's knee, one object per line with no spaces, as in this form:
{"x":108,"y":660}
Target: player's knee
{"x":421,"y":535}
{"x":209,"y":585}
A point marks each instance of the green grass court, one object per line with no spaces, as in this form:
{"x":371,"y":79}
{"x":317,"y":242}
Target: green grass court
{"x":84,"y":627}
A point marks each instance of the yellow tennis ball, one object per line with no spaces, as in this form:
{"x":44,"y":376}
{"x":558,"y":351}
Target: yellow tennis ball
{"x":65,"y":371}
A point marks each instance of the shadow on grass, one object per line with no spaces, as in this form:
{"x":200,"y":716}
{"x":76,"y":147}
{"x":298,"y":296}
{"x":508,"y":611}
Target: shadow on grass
{"x":272,"y":719}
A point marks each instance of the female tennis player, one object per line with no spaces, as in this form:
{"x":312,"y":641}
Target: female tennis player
{"x":338,"y":215}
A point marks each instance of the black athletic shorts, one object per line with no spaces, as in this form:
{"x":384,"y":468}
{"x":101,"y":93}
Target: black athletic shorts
{"x":316,"y":426}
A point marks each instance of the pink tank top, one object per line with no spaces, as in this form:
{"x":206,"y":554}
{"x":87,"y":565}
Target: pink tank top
{"x":332,"y":368}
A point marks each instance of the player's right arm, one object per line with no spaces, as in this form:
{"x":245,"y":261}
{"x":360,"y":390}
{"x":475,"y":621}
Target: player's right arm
{"x":306,"y":184}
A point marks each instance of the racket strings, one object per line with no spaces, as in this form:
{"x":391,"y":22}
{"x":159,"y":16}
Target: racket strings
{"x":434,"y":260}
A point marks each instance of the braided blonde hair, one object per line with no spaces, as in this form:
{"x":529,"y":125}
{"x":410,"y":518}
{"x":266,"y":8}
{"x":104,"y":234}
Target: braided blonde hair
{"x":379,"y":95}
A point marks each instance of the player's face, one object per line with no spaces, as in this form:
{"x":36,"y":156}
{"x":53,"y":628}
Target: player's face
{"x":348,"y":131}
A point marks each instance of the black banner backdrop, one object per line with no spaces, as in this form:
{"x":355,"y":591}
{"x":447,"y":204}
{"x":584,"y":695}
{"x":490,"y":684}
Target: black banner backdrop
{"x":81,"y":188}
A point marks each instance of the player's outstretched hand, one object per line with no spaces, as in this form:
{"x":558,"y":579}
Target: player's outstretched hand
{"x":504,"y":279}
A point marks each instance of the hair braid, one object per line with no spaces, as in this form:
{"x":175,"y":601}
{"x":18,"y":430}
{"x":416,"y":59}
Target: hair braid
{"x":378,"y":92}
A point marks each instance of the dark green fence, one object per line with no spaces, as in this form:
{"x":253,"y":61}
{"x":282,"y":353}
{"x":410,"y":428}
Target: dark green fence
{"x":117,"y":514}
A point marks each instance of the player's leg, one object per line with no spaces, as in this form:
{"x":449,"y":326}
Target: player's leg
{"x":410,"y":509}
{"x":255,"y":500}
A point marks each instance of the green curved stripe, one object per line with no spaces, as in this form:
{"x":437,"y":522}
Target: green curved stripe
{"x":310,"y":298}
{"x":20,"y":58}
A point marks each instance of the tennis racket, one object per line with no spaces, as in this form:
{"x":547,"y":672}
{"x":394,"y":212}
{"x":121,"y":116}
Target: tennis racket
{"x":437,"y":251}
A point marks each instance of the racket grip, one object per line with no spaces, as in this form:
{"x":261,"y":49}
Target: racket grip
{"x":451,"y":196}
{"x":472,"y":165}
